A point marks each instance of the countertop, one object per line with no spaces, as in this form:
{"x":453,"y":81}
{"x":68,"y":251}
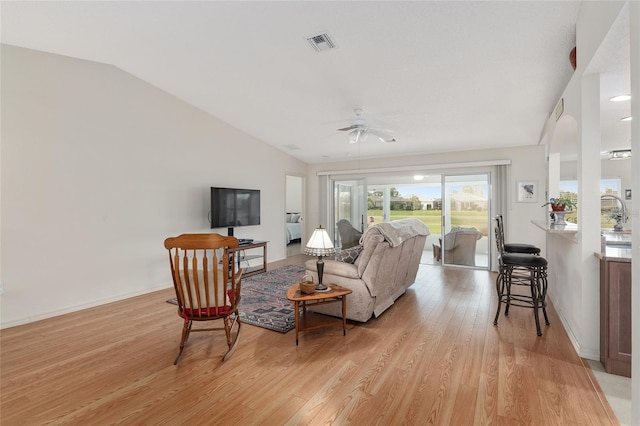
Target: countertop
{"x":570,"y":230}
{"x":622,"y":240}
{"x":621,"y":249}
{"x":615,"y":254}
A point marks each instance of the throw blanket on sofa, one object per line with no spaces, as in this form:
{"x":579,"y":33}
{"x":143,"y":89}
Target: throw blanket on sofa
{"x":399,"y":230}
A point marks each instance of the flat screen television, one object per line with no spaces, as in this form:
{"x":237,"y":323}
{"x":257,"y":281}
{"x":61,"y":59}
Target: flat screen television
{"x":231,"y":207}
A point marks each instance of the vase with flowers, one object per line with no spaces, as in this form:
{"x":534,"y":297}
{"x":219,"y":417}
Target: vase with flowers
{"x":617,"y":215}
{"x":559,"y":207}
{"x":560,"y":204}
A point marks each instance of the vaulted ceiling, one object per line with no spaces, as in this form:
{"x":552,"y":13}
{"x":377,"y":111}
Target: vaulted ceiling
{"x":442,"y":76}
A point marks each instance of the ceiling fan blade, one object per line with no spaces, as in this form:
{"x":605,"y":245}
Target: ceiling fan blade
{"x":384,"y":137}
{"x":352,"y":127}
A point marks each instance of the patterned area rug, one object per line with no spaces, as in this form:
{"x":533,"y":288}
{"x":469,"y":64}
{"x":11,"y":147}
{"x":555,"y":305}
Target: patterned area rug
{"x":264,"y":298}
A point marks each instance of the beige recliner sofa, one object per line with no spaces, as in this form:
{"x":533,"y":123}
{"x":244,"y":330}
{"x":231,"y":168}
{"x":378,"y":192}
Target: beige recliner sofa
{"x":383,"y":271}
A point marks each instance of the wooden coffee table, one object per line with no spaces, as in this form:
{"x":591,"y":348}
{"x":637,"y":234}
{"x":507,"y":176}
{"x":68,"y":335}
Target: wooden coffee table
{"x":311,"y":321}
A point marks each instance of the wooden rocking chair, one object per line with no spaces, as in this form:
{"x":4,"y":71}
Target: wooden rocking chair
{"x":207,"y":284}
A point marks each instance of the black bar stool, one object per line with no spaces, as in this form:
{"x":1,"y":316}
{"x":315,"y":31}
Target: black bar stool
{"x":514,"y":247}
{"x":521,"y":269}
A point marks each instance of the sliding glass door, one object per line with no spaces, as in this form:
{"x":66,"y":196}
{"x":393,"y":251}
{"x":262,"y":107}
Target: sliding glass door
{"x":350,"y":204}
{"x":455,"y":207}
{"x":466,"y":219}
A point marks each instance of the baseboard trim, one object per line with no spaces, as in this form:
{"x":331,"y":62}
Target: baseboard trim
{"x":574,"y":341}
{"x":80,"y":307}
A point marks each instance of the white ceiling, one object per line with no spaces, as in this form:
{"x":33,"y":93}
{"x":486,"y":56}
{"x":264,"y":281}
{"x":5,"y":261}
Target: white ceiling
{"x":612,"y":61}
{"x":443,"y":76}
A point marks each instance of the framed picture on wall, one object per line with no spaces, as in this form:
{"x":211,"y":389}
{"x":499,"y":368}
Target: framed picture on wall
{"x":527,"y":191}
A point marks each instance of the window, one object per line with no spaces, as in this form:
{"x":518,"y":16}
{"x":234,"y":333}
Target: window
{"x":612,"y":186}
{"x":569,"y":188}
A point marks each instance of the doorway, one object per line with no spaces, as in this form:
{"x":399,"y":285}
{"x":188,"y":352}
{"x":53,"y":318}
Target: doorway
{"x":294,"y":215}
{"x":349,"y":208}
{"x":465,"y":220}
{"x":419,"y":198}
{"x":455,"y":208}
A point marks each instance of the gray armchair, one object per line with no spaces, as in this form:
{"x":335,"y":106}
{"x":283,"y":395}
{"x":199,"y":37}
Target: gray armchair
{"x":460,"y":246}
{"x":349,"y":236}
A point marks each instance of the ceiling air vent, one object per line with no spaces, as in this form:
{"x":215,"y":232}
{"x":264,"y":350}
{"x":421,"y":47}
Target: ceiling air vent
{"x":292,"y":147}
{"x":321,"y":42}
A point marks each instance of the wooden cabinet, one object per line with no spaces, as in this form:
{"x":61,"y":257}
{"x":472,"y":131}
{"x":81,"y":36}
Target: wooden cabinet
{"x":615,"y":317}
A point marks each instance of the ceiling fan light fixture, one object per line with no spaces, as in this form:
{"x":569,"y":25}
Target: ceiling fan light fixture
{"x":359,"y":131}
{"x":358,"y":135}
{"x":620,"y":154}
{"x":620,"y":98}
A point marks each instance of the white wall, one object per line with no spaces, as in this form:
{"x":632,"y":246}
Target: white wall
{"x":634,"y":23}
{"x":294,"y":194}
{"x":579,"y":299}
{"x":574,"y":262}
{"x":98,"y":168}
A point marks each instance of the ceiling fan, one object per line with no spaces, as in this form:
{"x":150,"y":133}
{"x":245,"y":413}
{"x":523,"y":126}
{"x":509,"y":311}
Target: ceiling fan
{"x":359,"y":131}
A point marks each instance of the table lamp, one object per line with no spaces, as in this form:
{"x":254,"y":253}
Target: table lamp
{"x":320,"y":244}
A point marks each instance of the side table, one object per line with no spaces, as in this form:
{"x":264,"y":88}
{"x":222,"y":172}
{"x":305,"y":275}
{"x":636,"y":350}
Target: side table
{"x":311,"y":321}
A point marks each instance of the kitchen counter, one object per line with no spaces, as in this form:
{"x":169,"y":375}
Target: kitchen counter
{"x":570,"y":230}
{"x":615,"y":254}
{"x":615,"y":303}
{"x":617,"y":246}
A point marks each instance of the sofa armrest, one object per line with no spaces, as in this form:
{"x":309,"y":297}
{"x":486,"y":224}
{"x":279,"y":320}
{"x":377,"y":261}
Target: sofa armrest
{"x":334,"y":267}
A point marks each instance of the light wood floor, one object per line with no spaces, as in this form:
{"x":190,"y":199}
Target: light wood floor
{"x":432,"y":358}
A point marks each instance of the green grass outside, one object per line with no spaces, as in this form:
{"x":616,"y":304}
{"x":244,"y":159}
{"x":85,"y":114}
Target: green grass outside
{"x":475,"y":219}
{"x":432,"y":218}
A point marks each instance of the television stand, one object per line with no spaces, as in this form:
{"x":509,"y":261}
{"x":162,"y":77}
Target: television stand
{"x":245,"y":253}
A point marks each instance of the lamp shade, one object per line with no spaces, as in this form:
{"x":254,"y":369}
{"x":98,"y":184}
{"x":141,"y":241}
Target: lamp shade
{"x":319,"y":244}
